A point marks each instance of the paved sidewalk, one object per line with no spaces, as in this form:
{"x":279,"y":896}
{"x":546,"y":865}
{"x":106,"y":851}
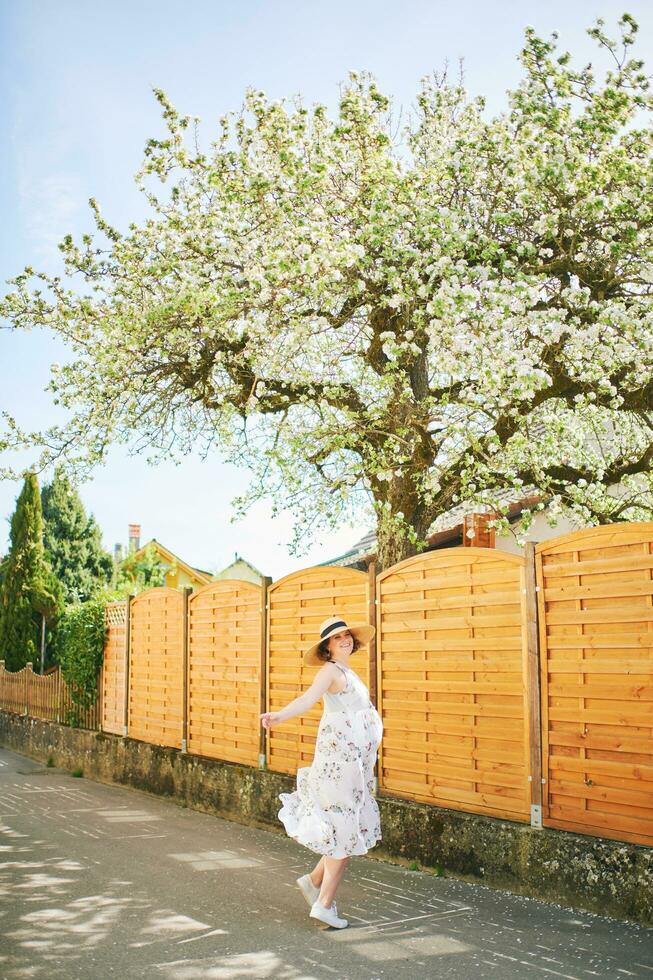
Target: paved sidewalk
{"x":102,"y":881}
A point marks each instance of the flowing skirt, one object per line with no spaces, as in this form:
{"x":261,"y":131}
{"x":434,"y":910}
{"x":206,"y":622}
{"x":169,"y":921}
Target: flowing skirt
{"x":333,"y":810}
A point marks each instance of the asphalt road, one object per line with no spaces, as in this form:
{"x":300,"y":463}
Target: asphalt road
{"x":101,"y":881}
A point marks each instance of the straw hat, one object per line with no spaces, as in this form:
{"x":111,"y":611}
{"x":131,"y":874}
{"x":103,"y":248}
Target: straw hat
{"x":336,"y":624}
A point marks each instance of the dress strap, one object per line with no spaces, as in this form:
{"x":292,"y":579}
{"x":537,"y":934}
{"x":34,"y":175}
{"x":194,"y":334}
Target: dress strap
{"x":346,"y":673}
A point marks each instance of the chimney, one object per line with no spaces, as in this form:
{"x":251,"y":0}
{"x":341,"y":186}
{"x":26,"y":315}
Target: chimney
{"x":476,"y":533}
{"x":134,"y":533}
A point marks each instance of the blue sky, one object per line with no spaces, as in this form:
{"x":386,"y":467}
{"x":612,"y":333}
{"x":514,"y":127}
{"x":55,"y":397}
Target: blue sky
{"x":76,"y":110}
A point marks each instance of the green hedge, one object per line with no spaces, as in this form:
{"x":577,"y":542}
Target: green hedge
{"x":81,"y":633}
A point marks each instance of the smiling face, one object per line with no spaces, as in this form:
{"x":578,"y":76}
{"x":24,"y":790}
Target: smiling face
{"x":341,"y":644}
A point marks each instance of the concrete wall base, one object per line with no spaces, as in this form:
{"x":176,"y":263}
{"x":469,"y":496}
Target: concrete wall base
{"x":591,"y":873}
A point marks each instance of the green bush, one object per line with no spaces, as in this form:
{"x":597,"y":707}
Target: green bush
{"x":81,"y":634}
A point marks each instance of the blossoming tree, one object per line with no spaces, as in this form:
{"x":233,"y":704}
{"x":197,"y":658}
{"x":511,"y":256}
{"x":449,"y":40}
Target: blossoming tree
{"x":368,"y":315}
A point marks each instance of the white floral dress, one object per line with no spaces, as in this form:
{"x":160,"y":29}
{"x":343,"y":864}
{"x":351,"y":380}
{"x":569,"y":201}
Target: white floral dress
{"x":333,"y":810}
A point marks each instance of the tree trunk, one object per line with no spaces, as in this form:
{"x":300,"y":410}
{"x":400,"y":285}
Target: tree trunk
{"x":393,"y":543}
{"x":392,"y":546}
{"x":42,"y":643}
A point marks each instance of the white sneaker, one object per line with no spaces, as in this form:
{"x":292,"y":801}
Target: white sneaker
{"x":308,"y":889}
{"x":328,"y":916}
{"x":311,"y":892}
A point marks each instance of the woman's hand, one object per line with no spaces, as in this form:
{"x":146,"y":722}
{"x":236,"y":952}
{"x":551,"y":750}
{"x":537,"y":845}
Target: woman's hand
{"x":270,"y":718}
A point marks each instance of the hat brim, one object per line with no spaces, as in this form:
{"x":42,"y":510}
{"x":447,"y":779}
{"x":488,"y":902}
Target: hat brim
{"x":362,"y":633}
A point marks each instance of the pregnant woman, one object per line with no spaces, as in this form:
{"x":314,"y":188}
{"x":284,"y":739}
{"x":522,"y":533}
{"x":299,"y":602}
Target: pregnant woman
{"x":333,"y":811}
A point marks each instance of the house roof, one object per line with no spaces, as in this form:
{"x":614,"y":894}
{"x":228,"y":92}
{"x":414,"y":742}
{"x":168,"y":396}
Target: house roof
{"x":240,"y":560}
{"x":170,"y":556}
{"x":447,"y":529}
{"x":365,"y":548}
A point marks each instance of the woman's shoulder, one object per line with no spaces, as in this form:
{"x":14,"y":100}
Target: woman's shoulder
{"x":336,"y":675}
{"x":329,"y":672}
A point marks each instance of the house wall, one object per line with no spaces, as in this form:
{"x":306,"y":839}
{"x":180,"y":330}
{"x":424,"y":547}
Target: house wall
{"x":540,"y":530}
{"x":176,"y":576}
{"x":239,"y":570}
{"x":179,"y":579}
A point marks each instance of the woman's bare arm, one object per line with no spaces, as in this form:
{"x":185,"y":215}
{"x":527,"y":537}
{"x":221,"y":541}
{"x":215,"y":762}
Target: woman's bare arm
{"x":324,"y":679}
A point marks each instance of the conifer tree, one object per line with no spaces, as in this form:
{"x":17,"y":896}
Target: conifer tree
{"x":27,"y":590}
{"x":72,"y":541}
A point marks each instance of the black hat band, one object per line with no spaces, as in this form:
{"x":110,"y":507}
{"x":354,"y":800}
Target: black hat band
{"x":331,"y":628}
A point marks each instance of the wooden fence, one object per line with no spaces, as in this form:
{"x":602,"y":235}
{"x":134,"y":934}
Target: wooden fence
{"x":596,"y":640}
{"x":157,"y":621}
{"x":452,"y":666}
{"x":474,"y":645}
{"x":297,"y":604}
{"x":45,"y":696}
{"x":114,"y":669}
{"x":226,"y":651}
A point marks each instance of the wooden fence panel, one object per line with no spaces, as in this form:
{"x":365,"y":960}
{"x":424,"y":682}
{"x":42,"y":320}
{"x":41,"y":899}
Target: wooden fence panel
{"x":44,"y":695}
{"x":297,"y":604}
{"x":596,"y":642}
{"x":225,"y":668}
{"x":13,"y":689}
{"x":156,"y":667}
{"x":72,"y":714}
{"x":113,"y":669}
{"x":452,"y":667}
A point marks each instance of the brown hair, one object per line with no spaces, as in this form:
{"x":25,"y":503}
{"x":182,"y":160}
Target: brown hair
{"x":324,"y":654}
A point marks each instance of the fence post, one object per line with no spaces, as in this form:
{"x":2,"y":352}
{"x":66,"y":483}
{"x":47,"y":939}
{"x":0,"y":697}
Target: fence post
{"x":185,"y":669}
{"x":99,"y":711}
{"x":42,"y":643}
{"x":28,"y":674}
{"x":128,"y":616}
{"x":371,"y":619}
{"x":263,"y":671}
{"x":533,"y":687}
